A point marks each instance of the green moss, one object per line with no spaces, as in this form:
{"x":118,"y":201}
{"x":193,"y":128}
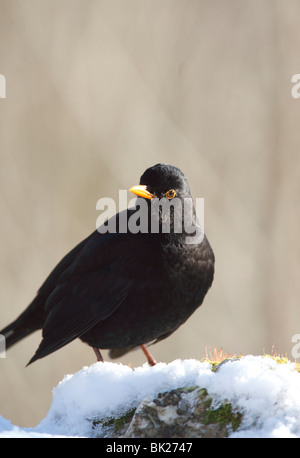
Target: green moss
{"x":202,"y":393}
{"x":278,"y":359}
{"x":117,"y":423}
{"x":108,"y":422}
{"x":282,"y":360}
{"x":224,"y":416}
{"x":204,"y":398}
{"x":188,"y":389}
{"x":215,"y":365}
{"x":120,"y":422}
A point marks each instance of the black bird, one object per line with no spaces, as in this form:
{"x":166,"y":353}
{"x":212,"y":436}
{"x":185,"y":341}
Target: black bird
{"x":119,"y":290}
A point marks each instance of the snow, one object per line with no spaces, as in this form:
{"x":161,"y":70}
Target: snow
{"x":265,"y":391}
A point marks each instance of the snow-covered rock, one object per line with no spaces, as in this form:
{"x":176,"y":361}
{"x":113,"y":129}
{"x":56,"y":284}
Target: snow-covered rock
{"x":263,"y":391}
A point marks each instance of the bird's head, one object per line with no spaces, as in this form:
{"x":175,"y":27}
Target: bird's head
{"x":162,"y":180}
{"x":170,"y":206}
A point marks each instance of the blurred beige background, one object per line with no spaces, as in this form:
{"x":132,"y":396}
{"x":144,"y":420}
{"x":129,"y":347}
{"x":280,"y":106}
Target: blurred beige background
{"x":97,"y":91}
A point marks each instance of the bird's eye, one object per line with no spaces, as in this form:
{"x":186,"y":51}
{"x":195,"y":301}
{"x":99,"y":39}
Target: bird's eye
{"x":170,"y":194}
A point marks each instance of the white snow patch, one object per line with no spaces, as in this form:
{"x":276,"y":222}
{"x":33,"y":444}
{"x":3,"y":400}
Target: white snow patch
{"x":267,"y":393}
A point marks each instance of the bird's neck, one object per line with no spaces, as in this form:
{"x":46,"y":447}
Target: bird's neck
{"x":176,"y":223}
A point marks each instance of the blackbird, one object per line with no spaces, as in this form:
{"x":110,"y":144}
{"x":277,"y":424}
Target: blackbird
{"x":118,"y":290}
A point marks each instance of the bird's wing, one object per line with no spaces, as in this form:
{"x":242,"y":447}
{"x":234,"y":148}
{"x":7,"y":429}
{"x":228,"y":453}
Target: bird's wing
{"x":51,"y":281}
{"x":88,"y":291}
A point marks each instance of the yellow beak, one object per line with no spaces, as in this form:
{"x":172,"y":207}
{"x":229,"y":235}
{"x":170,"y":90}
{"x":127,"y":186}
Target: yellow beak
{"x":142,"y":191}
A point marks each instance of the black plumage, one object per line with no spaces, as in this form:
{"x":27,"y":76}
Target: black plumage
{"x":117,"y":290}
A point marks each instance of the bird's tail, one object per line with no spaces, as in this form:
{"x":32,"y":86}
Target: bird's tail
{"x":14,"y":332}
{"x":28,"y":322}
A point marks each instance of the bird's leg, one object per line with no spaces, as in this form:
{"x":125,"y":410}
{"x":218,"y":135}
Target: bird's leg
{"x":148,"y":355}
{"x":98,"y":354}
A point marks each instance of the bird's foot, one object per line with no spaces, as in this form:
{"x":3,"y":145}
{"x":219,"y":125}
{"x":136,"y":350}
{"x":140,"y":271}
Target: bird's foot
{"x":98,"y":354}
{"x":150,"y":359}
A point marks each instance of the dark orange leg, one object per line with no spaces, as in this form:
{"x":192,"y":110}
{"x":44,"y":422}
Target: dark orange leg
{"x":98,"y":354}
{"x":148,"y":355}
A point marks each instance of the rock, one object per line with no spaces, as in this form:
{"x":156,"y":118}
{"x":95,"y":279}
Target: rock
{"x":179,"y":413}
